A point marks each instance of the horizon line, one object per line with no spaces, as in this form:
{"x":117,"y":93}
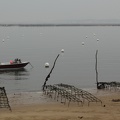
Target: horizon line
{"x":57,"y":24}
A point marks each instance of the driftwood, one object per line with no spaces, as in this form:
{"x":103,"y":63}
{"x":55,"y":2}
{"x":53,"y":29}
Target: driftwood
{"x":48,"y":76}
{"x":115,"y":100}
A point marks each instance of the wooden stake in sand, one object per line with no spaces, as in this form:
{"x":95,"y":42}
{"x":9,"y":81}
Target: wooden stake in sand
{"x":48,"y":76}
{"x":96,"y":68}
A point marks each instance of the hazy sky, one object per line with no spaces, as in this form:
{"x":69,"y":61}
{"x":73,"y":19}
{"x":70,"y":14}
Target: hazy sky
{"x":49,"y":10}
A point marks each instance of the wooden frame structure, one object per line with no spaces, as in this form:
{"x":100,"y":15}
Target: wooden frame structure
{"x":4,"y":103}
{"x":70,"y":94}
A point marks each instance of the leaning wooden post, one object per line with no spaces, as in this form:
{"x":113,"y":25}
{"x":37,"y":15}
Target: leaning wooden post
{"x":48,"y":76}
{"x":96,"y":68}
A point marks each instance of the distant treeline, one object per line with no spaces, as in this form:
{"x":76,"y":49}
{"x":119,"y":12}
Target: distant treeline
{"x":61,"y":24}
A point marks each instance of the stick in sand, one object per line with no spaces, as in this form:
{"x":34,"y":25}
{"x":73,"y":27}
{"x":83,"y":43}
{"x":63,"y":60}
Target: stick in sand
{"x":48,"y":76}
{"x":96,"y":68}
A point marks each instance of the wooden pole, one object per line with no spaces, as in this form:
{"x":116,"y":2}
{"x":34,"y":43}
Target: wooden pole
{"x":48,"y":76}
{"x":96,"y":68}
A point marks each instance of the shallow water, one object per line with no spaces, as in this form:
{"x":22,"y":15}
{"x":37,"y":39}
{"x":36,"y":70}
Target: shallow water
{"x":76,"y":66}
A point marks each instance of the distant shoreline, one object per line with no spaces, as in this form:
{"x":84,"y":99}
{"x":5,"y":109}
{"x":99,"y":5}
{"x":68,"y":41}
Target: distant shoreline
{"x":61,"y":24}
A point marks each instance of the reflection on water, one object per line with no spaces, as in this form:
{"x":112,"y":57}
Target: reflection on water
{"x":21,"y":74}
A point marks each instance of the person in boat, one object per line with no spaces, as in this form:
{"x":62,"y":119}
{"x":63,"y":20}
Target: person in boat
{"x":11,"y":61}
{"x":17,"y":60}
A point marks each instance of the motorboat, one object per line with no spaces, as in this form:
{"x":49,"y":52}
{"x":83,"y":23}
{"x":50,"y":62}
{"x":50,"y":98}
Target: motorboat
{"x":13,"y":64}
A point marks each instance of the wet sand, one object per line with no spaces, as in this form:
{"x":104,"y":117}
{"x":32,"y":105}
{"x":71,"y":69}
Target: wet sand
{"x":31,"y":106}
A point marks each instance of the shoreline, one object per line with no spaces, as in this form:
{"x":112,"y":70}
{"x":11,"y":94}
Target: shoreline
{"x":38,"y":97}
{"x":29,"y":107}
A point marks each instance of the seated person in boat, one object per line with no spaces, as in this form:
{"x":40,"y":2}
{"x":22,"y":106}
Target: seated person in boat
{"x":17,"y":60}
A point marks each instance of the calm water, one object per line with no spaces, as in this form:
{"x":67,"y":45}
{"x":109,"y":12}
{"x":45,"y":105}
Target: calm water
{"x":76,"y":66}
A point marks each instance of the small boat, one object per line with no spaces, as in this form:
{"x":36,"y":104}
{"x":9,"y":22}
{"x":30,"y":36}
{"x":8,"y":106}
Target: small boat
{"x":16,"y":64}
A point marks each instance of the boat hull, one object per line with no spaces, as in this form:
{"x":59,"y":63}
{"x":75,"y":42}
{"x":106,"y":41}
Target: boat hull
{"x":13,"y":66}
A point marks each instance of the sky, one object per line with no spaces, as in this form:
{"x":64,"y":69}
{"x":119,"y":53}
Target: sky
{"x":36,"y":11}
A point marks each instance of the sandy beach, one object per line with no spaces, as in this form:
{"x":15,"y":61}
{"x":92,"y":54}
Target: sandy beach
{"x":28,"y":107}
